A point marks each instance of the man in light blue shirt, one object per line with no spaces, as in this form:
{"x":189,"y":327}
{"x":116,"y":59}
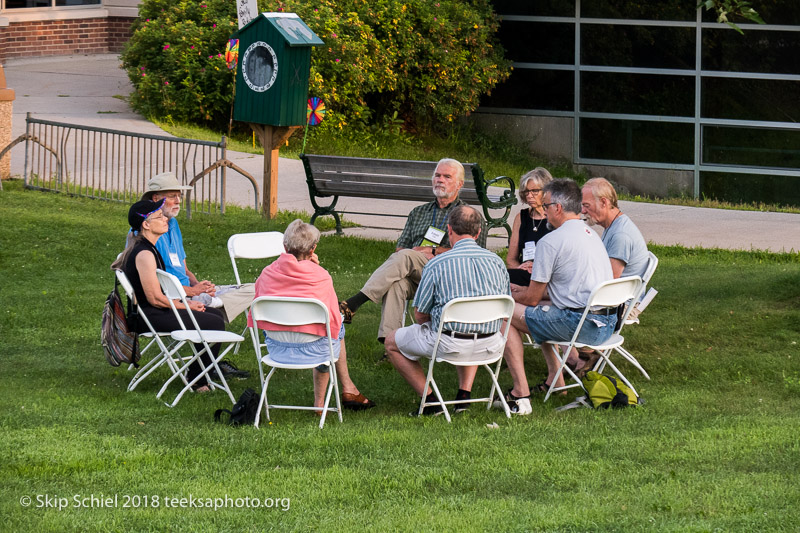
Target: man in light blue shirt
{"x":624,"y":243}
{"x":466,"y":270}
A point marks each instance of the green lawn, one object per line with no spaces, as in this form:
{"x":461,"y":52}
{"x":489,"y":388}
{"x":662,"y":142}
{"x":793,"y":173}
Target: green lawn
{"x":715,"y":448}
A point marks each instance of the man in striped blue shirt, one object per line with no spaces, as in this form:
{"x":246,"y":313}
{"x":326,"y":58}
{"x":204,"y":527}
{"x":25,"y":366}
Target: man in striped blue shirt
{"x":464,"y":271}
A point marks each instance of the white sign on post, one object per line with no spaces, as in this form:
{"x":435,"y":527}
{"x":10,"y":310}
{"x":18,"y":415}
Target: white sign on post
{"x":246,"y":10}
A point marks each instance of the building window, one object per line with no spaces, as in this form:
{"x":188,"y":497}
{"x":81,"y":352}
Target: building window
{"x":27,"y":4}
{"x":642,"y":91}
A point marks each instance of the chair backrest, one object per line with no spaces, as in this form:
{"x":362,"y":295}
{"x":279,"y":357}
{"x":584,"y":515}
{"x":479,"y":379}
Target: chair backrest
{"x":261,"y":245}
{"x":651,"y":268}
{"x":477,"y":309}
{"x":128,"y":288}
{"x":173,"y":289}
{"x":291,"y":311}
{"x":126,"y":285}
{"x":615,"y":292}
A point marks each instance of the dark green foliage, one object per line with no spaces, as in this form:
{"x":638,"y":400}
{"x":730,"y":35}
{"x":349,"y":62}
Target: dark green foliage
{"x":422,"y":63}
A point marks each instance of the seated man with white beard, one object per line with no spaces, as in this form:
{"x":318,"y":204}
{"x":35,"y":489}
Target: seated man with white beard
{"x":424,"y":236}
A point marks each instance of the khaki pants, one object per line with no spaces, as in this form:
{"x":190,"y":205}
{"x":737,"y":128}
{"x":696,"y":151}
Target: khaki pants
{"x":394,"y":282}
{"x":235,"y":301}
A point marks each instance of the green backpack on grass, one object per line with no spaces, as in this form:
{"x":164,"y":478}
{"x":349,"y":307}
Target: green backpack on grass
{"x":605,"y":391}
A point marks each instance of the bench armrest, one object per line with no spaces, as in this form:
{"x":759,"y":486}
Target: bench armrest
{"x":508,"y":198}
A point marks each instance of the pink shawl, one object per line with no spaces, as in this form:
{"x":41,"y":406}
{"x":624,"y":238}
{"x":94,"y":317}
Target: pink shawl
{"x":287,"y":276}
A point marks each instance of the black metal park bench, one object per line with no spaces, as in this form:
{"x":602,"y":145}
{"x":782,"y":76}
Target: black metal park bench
{"x":393,"y":179}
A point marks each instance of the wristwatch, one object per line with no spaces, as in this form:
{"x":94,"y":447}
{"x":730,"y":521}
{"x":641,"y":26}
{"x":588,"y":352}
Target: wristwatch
{"x":433,"y":250}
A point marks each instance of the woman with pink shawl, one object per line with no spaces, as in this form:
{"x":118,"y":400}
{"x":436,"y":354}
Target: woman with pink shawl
{"x":298,"y":273}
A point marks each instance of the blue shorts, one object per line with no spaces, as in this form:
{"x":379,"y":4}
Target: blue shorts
{"x":305,"y":352}
{"x":549,"y":323}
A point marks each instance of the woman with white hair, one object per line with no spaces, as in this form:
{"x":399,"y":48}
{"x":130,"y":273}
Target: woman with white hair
{"x":530,"y":225}
{"x":297,"y":273}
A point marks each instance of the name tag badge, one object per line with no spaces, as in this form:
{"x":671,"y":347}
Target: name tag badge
{"x":174,"y":259}
{"x":529,"y":251}
{"x":433,"y":237}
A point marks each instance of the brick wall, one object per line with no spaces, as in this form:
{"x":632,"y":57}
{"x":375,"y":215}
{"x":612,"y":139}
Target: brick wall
{"x":64,"y":37}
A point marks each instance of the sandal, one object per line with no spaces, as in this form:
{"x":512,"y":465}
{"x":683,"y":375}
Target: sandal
{"x":356,"y":402}
{"x":347,"y":314}
{"x":543,"y":387}
{"x":589,"y":363}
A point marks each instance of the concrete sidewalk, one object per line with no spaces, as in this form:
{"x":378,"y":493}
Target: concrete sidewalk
{"x":87,"y":90}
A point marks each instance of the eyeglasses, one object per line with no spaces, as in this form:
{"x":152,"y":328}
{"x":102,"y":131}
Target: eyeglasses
{"x":173,"y":196}
{"x":549,"y":204}
{"x":531,"y":191}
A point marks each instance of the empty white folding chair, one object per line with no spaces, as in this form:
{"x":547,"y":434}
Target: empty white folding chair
{"x":192,"y":334}
{"x":609,"y":295}
{"x":156,"y":338}
{"x":260,"y":245}
{"x":290,"y":311}
{"x":473,"y":310}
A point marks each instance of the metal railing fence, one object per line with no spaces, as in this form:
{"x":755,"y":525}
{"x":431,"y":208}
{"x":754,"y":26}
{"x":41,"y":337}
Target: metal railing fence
{"x":116,"y":165}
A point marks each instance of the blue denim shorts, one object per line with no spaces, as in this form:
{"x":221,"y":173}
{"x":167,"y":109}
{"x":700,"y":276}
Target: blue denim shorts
{"x":305,"y":352}
{"x":549,"y":323}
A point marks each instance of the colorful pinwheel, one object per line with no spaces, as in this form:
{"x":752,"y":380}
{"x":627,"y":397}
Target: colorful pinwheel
{"x":315,"y":112}
{"x":232,"y":53}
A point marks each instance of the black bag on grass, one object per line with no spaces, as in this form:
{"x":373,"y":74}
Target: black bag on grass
{"x":243,"y":412}
{"x":120,"y":344}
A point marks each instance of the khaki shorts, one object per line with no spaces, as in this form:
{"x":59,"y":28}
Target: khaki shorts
{"x":416,"y":341}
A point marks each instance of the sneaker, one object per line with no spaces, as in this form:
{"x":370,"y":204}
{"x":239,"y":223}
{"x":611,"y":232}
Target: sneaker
{"x":462,"y":395}
{"x":229,"y":370}
{"x":517,"y":405}
{"x":204,"y":298}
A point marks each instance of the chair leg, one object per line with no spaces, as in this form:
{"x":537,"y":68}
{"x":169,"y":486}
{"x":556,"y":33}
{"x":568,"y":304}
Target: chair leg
{"x":236,"y":350}
{"x":632,"y":360}
{"x":263,"y":399}
{"x":335,"y":379}
{"x":428,"y":378}
{"x":146,"y":370}
{"x":496,"y":385}
{"x":562,"y":368}
{"x":441,"y":399}
{"x":264,"y":388}
{"x":205,"y":370}
{"x":620,"y":375}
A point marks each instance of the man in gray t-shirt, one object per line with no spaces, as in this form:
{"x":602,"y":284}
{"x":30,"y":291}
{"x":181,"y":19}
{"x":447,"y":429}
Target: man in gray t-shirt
{"x":623,"y":240}
{"x":570,"y":263}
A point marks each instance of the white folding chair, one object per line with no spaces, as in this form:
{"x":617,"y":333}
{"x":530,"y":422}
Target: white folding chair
{"x":652,"y":263}
{"x":156,"y":339}
{"x":260,"y":245}
{"x":473,"y":310}
{"x":642,"y":303}
{"x":609,"y":294}
{"x":289,"y":311}
{"x":194,"y":335}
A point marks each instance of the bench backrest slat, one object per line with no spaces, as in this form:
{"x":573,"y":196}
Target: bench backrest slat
{"x":376,"y":167}
{"x":397,"y":179}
